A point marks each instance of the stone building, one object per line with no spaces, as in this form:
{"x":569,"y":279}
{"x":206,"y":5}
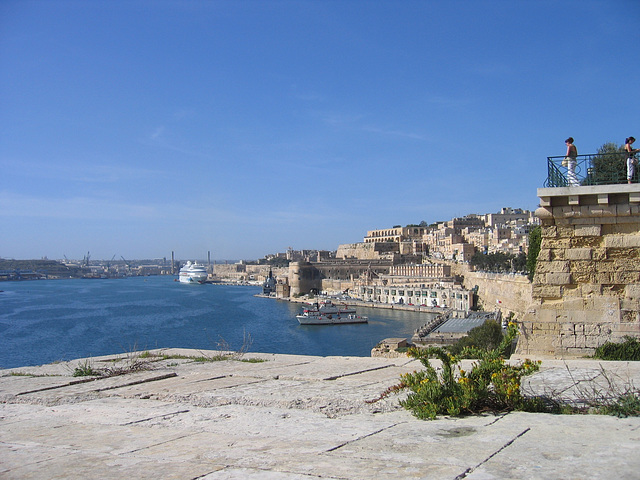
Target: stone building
{"x":395,"y":234}
{"x":436,"y":294}
{"x":335,"y":275}
{"x":421,"y":270}
{"x":586,"y":288}
{"x":510,"y":216}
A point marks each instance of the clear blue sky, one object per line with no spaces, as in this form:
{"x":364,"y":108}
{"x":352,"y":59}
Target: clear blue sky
{"x":136,"y":128}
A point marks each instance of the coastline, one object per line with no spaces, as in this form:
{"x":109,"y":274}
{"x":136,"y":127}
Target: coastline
{"x":360,"y":303}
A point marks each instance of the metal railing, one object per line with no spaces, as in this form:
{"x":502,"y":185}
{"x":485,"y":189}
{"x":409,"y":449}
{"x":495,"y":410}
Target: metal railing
{"x":592,"y":169}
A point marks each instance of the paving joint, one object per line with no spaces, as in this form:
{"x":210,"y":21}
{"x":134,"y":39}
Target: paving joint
{"x":506,"y":445}
{"x":362,"y":437}
{"x":336,"y":377}
{"x":165,"y":415}
{"x":138,"y":382}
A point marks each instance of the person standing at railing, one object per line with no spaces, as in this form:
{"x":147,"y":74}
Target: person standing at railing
{"x":570,"y":161}
{"x":632,"y":162}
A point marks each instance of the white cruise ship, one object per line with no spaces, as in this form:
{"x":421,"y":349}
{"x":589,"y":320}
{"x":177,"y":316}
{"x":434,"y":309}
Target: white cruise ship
{"x":193,"y":273}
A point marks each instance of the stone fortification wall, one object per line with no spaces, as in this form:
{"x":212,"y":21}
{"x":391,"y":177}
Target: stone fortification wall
{"x":244,"y":272}
{"x":334,"y":275}
{"x":508,"y":293}
{"x":304,"y":278}
{"x":367,"y":251}
{"x":586,"y":288}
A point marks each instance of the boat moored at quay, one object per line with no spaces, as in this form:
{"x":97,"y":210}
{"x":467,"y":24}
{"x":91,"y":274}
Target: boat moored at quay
{"x":327,"y":313}
{"x":327,"y":307}
{"x":193,"y":273}
{"x":313,"y":317}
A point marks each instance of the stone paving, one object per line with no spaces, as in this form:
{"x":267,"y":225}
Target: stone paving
{"x":294,"y":418}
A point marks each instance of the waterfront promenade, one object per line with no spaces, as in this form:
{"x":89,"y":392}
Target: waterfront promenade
{"x":293,"y":418}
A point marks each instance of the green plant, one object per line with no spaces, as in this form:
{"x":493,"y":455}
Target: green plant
{"x":491,"y":384}
{"x":85,"y":369}
{"x":609,"y":164}
{"x":626,"y":405}
{"x":499,"y":262}
{"x":487,"y":336}
{"x":628,"y":349}
{"x":535,"y":241}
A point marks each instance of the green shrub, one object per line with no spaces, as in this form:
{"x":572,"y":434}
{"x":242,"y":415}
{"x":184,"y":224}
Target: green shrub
{"x":535,"y":241}
{"x":628,"y":350}
{"x":490,"y":385}
{"x":487,"y":336}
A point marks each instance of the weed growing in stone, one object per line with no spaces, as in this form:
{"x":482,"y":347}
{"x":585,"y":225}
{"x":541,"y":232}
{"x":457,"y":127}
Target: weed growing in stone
{"x":628,"y":349}
{"x":626,"y":405}
{"x":493,"y":385}
{"x":224,"y":351}
{"x":85,"y":369}
{"x":490,"y":385}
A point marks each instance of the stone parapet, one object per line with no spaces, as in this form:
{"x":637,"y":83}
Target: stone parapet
{"x":585,"y":289}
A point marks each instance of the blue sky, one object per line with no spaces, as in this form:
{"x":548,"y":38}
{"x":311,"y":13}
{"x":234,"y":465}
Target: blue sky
{"x":137,"y":128}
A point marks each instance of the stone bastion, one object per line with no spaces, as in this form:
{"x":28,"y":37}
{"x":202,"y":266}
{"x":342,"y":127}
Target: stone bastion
{"x":586,"y":288}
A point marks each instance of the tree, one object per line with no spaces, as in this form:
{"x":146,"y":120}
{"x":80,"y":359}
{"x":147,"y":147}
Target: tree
{"x":498,"y":262}
{"x":609,"y":165}
{"x":487,"y":337}
{"x":535,"y":240}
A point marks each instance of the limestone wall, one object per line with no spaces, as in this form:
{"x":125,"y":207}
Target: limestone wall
{"x":586,"y":289}
{"x":367,"y":251}
{"x":508,"y":293}
{"x":303,"y":278}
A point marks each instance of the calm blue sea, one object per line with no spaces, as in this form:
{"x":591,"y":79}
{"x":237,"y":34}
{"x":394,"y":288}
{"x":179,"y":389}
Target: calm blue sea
{"x":45,"y":321}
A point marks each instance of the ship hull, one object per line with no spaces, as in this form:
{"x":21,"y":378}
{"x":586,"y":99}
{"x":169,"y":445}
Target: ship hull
{"x":330,"y":319}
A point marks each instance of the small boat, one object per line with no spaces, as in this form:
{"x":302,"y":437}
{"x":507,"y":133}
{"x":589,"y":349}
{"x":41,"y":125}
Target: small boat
{"x":193,"y":273}
{"x":314,"y":317}
{"x":329,"y":308}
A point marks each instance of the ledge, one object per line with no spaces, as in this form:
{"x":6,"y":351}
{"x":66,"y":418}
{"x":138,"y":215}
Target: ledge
{"x":595,"y":194}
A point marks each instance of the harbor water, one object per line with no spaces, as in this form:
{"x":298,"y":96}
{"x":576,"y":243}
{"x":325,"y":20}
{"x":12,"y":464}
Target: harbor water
{"x":44,"y":321}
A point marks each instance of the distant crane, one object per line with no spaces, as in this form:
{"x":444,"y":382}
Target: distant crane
{"x":85,"y":260}
{"x":108,"y":267}
{"x":126,"y":264}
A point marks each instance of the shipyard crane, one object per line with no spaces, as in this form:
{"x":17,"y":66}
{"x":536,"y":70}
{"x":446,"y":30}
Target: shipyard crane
{"x":126,"y":264}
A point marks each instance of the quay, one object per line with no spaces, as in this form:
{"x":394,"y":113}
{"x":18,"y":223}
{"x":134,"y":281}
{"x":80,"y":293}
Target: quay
{"x":362,"y":303}
{"x":293,"y":417}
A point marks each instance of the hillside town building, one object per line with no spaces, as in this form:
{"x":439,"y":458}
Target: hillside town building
{"x":412,"y":265}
